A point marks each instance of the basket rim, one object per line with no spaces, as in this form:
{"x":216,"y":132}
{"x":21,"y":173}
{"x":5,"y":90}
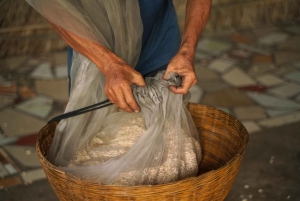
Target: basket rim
{"x":47,"y":163}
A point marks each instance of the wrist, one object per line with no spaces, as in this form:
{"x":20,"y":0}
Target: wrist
{"x":188,"y":51}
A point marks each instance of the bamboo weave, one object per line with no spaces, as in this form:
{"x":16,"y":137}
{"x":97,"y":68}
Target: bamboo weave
{"x":223,"y":140}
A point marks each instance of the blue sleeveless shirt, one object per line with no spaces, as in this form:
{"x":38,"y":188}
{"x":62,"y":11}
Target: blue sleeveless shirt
{"x":161,"y":37}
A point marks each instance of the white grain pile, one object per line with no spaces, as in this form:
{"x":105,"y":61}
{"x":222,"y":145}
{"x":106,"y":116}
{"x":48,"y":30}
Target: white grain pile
{"x":171,"y":169}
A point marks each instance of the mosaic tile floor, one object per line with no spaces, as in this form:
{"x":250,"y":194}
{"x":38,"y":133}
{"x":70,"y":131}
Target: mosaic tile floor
{"x":251,"y":74}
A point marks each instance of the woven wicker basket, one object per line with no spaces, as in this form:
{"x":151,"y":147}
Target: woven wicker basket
{"x":223,"y":139}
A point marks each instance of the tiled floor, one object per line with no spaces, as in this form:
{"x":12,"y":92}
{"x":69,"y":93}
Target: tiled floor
{"x":251,"y":74}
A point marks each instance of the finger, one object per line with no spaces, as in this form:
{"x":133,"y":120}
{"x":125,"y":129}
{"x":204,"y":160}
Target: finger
{"x":131,"y":101}
{"x":121,"y":102}
{"x":178,"y":90}
{"x":138,"y":79}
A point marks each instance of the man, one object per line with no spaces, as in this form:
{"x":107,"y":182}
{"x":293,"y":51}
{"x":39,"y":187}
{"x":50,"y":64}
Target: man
{"x":159,"y":23}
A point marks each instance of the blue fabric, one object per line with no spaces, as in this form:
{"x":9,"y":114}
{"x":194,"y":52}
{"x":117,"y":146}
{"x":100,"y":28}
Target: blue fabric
{"x":161,"y":37}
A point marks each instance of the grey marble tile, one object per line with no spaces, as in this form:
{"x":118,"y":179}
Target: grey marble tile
{"x":42,"y":71}
{"x":25,"y":155}
{"x":266,"y":100}
{"x":196,"y":94}
{"x":227,"y":98}
{"x":60,"y":58}
{"x":61,"y":71}
{"x":212,"y":46}
{"x":57,"y":89}
{"x":221,"y":65}
{"x":293,"y":29}
{"x":293,"y":76}
{"x":286,"y":57}
{"x":269,"y":80}
{"x":33,"y":175}
{"x":249,"y":113}
{"x":6,"y":100}
{"x":203,"y":73}
{"x":276,"y":112}
{"x":212,"y":85}
{"x":251,"y":126}
{"x":15,"y":62}
{"x":15,"y":123}
{"x":259,"y":69}
{"x":39,"y":106}
{"x":252,"y":48}
{"x":238,"y":78}
{"x":273,"y":39}
{"x":285,"y":90}
{"x":281,"y":120}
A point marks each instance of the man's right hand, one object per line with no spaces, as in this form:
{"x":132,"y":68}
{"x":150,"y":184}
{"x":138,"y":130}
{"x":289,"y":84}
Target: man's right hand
{"x":119,"y":78}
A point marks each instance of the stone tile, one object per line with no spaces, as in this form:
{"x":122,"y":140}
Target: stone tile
{"x":266,"y":100}
{"x":221,"y":65}
{"x":296,"y":64}
{"x":265,"y":30}
{"x":291,"y":45}
{"x":273,"y":39}
{"x":14,"y":123}
{"x":249,"y":113}
{"x":212,"y":46}
{"x":57,"y":89}
{"x":8,"y":88}
{"x":3,"y":172}
{"x":297,"y":98}
{"x":6,"y":100}
{"x":33,"y":175}
{"x":259,"y":69}
{"x":238,"y":78}
{"x":10,"y":182}
{"x":255,"y":88}
{"x":8,"y":163}
{"x":251,"y":126}
{"x":196,"y":93}
{"x":239,"y":54}
{"x":25,"y":155}
{"x":60,"y":58}
{"x":252,"y":48}
{"x":7,"y":140}
{"x":283,"y":69}
{"x":39,"y":106}
{"x":16,"y":62}
{"x":27,"y":140}
{"x":2,"y":79}
{"x":293,"y":29}
{"x":61,"y":71}
{"x":26,"y":92}
{"x":225,"y":109}
{"x":236,"y":37}
{"x":201,"y":56}
{"x":286,"y":90}
{"x":286,"y":57}
{"x":293,"y":76}
{"x":262,"y":59}
{"x":43,"y":71}
{"x":203,"y":73}
{"x":227,"y":98}
{"x":281,"y":120}
{"x":274,"y":112}
{"x":269,"y":80}
{"x":212,"y":85}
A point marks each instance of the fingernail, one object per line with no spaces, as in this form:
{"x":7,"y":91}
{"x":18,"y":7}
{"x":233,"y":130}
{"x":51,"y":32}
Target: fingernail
{"x":136,"y":111}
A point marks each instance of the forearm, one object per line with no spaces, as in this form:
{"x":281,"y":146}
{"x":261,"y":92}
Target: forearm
{"x":197,"y":14}
{"x":97,"y":53}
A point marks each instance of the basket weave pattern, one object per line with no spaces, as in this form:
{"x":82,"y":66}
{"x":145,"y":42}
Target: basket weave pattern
{"x":223,"y":140}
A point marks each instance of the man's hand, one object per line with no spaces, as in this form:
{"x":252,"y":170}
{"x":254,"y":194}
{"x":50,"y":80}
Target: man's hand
{"x":119,"y":77}
{"x":183,"y":65}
